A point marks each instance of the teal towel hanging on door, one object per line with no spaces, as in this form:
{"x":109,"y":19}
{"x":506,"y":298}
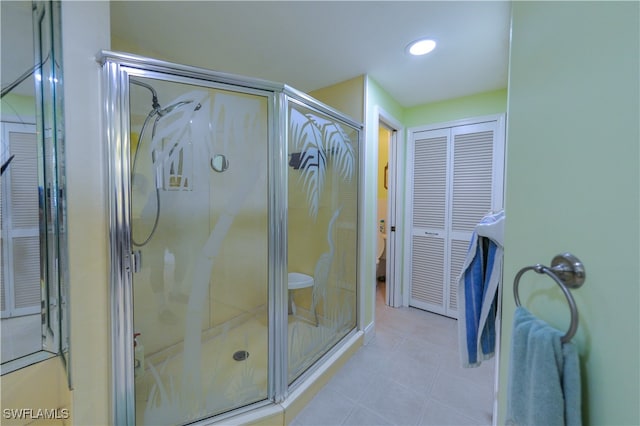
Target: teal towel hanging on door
{"x":544,"y":375}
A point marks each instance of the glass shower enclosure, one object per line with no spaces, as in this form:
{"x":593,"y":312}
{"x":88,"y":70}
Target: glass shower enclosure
{"x":234,"y":237}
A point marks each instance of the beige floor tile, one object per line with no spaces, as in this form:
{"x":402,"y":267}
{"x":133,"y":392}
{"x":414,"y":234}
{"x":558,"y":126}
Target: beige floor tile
{"x":442,"y":334}
{"x":352,"y":381}
{"x":369,"y":358}
{"x":464,"y":396}
{"x":420,"y":377}
{"x":408,"y":374}
{"x":482,"y":375}
{"x":395,"y":402}
{"x":362,"y":416}
{"x":420,"y":352}
{"x":438,"y":414}
{"x":386,"y":339}
{"x":326,"y":408}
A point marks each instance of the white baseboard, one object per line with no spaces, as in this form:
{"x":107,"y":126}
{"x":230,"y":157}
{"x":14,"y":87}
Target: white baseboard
{"x":369,"y":332}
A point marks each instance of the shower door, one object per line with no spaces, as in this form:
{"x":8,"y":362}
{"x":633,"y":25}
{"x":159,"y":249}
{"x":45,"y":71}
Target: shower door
{"x":199,"y":243}
{"x":322,"y":234}
{"x":229,"y":198}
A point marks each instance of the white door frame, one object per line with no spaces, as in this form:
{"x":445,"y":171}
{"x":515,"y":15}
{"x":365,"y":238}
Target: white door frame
{"x":393,"y":221}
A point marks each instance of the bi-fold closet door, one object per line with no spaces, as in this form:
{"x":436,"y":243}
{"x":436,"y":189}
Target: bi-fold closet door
{"x":457,"y":178}
{"x":20,"y":292}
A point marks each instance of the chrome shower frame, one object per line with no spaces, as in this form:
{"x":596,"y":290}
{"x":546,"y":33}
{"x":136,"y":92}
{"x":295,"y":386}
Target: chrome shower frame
{"x":117,"y":69}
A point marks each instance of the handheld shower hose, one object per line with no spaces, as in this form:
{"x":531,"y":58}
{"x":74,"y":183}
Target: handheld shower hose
{"x":158,"y":113}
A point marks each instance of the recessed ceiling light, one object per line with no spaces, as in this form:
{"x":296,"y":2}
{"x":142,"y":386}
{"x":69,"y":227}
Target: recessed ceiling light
{"x":421,"y":47}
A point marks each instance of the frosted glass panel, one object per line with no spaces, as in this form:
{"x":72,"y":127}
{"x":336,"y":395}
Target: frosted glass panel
{"x":199,"y":229}
{"x":322,"y":213}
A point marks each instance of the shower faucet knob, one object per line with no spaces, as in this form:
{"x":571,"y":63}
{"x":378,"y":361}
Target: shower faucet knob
{"x":219,"y":163}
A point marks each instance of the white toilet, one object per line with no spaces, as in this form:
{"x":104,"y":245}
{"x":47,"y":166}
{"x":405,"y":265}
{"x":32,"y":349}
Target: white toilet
{"x":381,"y":257}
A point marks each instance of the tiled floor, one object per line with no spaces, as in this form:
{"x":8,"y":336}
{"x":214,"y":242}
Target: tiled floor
{"x":409,"y":374}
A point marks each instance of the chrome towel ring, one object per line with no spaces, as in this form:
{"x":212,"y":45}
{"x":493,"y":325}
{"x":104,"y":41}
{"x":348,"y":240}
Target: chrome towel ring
{"x":567,"y":271}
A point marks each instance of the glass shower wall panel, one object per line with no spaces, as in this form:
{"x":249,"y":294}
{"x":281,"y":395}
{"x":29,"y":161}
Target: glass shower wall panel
{"x":322,"y":234}
{"x":199,"y":230}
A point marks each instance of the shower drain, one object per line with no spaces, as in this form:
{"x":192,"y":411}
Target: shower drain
{"x":240,"y":355}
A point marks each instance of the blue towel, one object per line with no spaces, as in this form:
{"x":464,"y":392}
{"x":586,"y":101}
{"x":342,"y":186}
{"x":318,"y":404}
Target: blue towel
{"x":544,"y":375}
{"x":478,"y":286}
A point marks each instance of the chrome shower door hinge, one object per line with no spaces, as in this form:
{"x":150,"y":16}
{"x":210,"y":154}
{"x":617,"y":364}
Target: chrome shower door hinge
{"x":136,"y":261}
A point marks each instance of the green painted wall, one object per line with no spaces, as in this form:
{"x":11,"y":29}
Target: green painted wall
{"x":378,"y":96}
{"x":487,"y":103}
{"x":573,"y":185}
{"x":375,"y":97}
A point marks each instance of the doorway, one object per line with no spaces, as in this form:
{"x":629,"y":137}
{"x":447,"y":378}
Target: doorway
{"x":389,"y":140}
{"x":384,"y":142}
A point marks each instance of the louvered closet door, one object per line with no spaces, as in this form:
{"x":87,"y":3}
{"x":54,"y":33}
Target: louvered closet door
{"x":428,"y":240}
{"x":455,"y":183}
{"x":472,"y":193}
{"x":20,"y":278}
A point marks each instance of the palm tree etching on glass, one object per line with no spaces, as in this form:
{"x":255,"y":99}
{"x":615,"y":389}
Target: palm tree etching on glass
{"x":179,"y":394}
{"x":320,"y":144}
{"x":319,"y":139}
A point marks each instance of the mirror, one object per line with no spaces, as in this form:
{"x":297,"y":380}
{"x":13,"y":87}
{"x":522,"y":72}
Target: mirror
{"x":33,"y":270}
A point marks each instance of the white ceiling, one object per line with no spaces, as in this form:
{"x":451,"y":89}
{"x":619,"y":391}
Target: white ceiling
{"x":310,"y":45}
